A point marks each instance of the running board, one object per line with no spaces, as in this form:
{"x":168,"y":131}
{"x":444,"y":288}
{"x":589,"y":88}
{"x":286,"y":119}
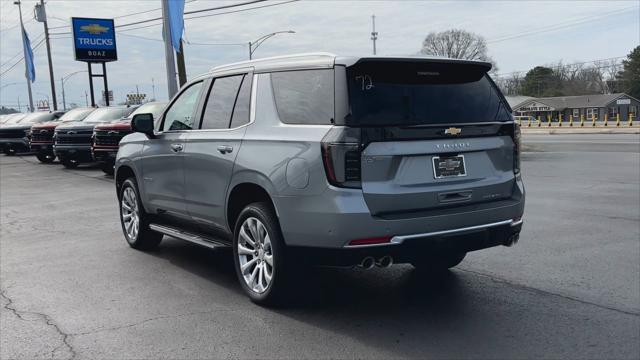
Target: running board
{"x":190,"y":237}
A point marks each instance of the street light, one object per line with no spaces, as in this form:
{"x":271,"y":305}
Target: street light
{"x":62,"y":80}
{"x":253,"y":45}
{"x":9,"y":84}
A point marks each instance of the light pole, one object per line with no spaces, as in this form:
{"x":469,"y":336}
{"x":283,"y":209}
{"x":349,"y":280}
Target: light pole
{"x":62,"y":80}
{"x":24,"y":53}
{"x":5,"y":85}
{"x":253,"y":45}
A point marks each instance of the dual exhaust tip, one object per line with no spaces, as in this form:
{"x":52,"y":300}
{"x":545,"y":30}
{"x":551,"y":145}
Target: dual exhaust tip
{"x":369,"y":262}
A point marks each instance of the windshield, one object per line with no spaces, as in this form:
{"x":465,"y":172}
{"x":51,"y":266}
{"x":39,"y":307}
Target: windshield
{"x":151,"y":108}
{"x":107,"y":114}
{"x":77,"y":114}
{"x":422,"y":93}
{"x":36,"y":118}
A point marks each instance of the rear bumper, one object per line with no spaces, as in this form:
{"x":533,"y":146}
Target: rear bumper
{"x":80,"y":153}
{"x":339,"y":216}
{"x":415,"y":248}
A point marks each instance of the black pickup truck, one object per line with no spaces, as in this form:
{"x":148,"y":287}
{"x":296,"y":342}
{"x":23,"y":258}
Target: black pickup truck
{"x":72,"y":141}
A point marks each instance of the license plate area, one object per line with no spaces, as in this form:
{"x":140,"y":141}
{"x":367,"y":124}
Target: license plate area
{"x":448,"y":166}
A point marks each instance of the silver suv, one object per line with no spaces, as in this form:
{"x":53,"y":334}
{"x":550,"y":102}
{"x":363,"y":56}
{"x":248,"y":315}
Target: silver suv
{"x":329,"y":160}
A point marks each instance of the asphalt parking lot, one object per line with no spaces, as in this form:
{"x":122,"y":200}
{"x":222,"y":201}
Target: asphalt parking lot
{"x":72,"y":288}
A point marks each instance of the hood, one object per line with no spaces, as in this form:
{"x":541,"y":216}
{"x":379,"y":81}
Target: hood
{"x":124,"y":124}
{"x":16,"y":127}
{"x":76,"y":125}
{"x":46,"y":125}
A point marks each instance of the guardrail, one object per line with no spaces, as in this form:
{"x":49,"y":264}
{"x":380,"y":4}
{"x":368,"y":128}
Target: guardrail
{"x":593,"y":122}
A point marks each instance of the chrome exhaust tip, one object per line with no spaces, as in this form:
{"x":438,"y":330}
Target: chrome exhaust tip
{"x":385,"y":261}
{"x":367,"y":263}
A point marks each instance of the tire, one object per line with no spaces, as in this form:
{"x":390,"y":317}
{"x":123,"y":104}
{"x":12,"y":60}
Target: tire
{"x":261,"y":290}
{"x":134,"y":220}
{"x":9,"y":151}
{"x":107,"y":168}
{"x":69,"y":163}
{"x":45,"y":158}
{"x":439,"y":262}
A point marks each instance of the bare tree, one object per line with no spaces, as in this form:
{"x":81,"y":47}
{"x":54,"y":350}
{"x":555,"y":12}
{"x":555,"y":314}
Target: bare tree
{"x":457,"y":44}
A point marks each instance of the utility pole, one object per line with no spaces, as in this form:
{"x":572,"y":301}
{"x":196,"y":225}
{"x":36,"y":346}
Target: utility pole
{"x":374,"y":33}
{"x":24,"y":52}
{"x":182,"y":70}
{"x":153,"y":87}
{"x":41,"y":16}
{"x":64,"y":103}
{"x":170,"y":62}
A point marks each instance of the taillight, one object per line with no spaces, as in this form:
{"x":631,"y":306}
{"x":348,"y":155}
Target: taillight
{"x":516,"y":148}
{"x":341,"y":153}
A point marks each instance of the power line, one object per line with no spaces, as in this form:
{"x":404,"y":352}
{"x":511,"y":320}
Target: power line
{"x":191,"y":12}
{"x":186,"y":42}
{"x":209,"y":15}
{"x":563,"y":65}
{"x":36,"y":47}
{"x":20,"y":52}
{"x":558,"y":26}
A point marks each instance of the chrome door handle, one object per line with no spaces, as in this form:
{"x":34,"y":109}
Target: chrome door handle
{"x":176,"y":147}
{"x":225,"y":149}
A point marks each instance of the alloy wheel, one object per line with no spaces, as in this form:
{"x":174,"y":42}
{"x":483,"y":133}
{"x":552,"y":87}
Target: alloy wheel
{"x":130,"y":213}
{"x":255,"y":254}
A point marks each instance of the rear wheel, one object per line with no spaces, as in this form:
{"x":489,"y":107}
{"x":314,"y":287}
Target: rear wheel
{"x":69,"y":163}
{"x":259,"y":253}
{"x":439,"y":262}
{"x":134,"y":220}
{"x":45,"y":158}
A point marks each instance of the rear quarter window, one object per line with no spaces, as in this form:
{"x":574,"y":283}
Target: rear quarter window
{"x":304,"y":96}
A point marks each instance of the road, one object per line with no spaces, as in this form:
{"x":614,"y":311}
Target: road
{"x":72,"y":288}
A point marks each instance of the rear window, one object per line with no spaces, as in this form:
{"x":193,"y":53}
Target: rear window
{"x":422,"y":93}
{"x":305,"y":96}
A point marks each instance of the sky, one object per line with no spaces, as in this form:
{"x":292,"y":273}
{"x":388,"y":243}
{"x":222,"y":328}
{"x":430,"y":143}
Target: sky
{"x":520,"y":35}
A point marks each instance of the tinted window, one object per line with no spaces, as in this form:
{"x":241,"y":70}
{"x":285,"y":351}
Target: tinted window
{"x":243,"y":104}
{"x":419,"y":93}
{"x":180,"y":115}
{"x":304,"y":97}
{"x":217,"y":112}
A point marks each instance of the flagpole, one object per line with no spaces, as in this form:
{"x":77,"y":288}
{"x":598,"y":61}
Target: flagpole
{"x":170,"y":61}
{"x":24,"y":51}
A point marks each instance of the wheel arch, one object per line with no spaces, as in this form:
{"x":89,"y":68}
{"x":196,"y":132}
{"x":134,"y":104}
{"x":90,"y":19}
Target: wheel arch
{"x":242,"y":194}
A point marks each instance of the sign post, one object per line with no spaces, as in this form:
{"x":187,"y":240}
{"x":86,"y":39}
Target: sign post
{"x":94,"y":41}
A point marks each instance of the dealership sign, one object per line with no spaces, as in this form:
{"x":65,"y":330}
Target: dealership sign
{"x":94,"y":40}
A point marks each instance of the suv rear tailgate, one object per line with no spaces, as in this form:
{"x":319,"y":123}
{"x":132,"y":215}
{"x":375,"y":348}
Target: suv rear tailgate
{"x":399,"y":176}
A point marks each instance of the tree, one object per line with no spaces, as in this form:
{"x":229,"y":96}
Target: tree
{"x":457,"y":44}
{"x":629,"y":77}
{"x":542,"y":81}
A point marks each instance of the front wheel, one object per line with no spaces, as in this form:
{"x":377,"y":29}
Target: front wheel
{"x":107,"y":168}
{"x":259,"y":253}
{"x":134,"y":220}
{"x":45,"y":158}
{"x":439,"y":261}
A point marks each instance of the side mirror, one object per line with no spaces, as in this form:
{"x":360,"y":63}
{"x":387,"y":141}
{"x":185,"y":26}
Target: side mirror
{"x":143,"y":123}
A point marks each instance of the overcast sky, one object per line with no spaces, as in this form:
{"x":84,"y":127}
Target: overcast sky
{"x":521,"y":34}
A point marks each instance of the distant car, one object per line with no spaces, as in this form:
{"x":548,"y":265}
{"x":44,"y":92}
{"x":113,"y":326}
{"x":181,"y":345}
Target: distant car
{"x":12,"y":119}
{"x":72,"y":140}
{"x":106,"y":137}
{"x":14,"y":134}
{"x":42,"y":134}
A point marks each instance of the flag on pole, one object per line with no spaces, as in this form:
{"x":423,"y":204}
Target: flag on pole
{"x":30,"y":72}
{"x":176,"y":22}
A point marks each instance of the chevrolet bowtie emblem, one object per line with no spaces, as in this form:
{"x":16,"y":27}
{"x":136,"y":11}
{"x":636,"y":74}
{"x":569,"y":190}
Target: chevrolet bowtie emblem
{"x":94,"y":29}
{"x":453,"y":131}
{"x":449,"y":165}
